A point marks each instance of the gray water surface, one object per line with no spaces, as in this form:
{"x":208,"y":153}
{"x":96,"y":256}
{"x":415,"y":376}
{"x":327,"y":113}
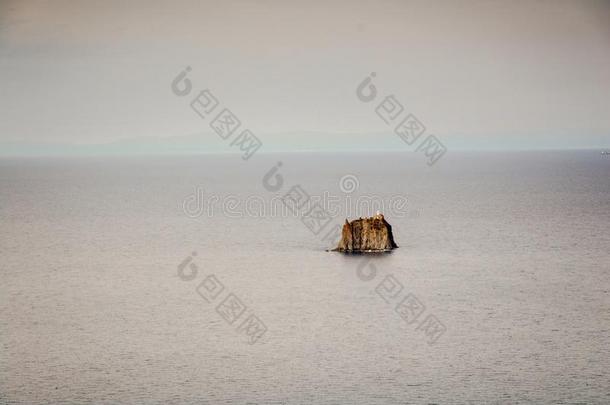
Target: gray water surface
{"x":508,"y":251}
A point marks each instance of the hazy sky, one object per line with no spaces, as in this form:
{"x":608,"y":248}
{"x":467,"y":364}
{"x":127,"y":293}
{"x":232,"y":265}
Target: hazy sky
{"x":476,"y":73}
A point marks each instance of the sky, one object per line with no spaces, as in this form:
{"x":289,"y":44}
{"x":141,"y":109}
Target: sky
{"x":477,"y":74}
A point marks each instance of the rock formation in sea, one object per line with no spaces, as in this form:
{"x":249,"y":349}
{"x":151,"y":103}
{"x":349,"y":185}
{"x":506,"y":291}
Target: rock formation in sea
{"x":362,"y":235}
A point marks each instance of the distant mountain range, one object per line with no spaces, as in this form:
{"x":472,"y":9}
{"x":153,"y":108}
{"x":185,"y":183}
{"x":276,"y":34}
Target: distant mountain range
{"x":290,"y":141}
{"x":208,"y":143}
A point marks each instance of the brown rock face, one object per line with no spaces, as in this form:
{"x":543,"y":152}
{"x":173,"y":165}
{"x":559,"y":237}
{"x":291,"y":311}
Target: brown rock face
{"x":372,"y":234}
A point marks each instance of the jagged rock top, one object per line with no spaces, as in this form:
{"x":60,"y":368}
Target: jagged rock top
{"x":372,"y":234}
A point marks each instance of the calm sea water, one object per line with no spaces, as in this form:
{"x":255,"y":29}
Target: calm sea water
{"x":508,"y":251}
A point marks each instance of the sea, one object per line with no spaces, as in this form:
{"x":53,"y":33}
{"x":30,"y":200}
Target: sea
{"x":206,"y":279}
